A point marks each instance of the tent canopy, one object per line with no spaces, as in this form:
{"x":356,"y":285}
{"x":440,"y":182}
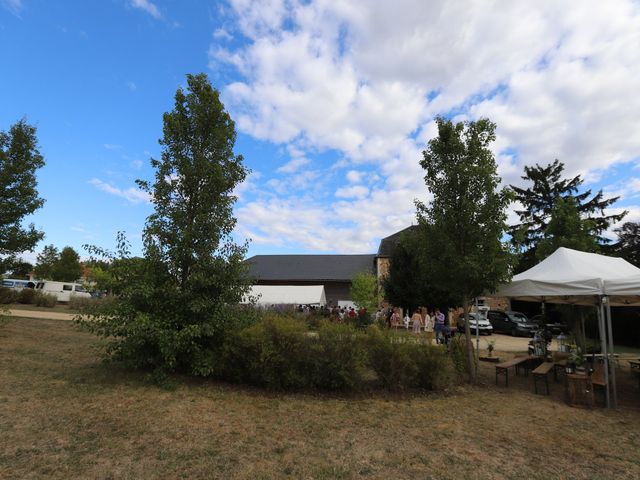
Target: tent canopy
{"x":570,"y":276}
{"x":288,"y":295}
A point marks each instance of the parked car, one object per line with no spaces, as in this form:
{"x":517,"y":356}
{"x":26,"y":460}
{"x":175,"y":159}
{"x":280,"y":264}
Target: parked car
{"x":62,"y":290}
{"x":512,"y":323}
{"x":553,"y":324}
{"x":482,"y":325}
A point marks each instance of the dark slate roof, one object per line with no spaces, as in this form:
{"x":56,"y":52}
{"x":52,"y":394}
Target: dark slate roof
{"x":387,"y":244}
{"x":309,"y":267}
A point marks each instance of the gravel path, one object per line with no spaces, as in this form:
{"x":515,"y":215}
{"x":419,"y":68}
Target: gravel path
{"x":41,"y":314}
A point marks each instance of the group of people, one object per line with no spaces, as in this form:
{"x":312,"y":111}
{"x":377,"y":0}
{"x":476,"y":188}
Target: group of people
{"x":432,"y":322}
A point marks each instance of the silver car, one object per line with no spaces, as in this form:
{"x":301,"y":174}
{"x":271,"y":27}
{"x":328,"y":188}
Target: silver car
{"x":482,"y":325}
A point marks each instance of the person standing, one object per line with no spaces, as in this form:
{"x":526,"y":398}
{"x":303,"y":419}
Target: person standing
{"x":395,"y":318}
{"x":428,"y":327}
{"x":406,"y":320}
{"x":416,"y":321}
{"x":439,"y":327}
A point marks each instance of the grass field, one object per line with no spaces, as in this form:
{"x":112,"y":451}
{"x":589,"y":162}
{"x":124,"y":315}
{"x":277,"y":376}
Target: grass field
{"x":64,"y":415}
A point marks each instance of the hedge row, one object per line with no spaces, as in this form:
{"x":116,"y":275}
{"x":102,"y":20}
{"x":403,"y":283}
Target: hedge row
{"x":27,"y":296}
{"x":280,"y":353}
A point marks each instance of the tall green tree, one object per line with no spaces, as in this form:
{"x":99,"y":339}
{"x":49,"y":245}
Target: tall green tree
{"x":566,"y":229}
{"x":628,"y":244}
{"x":19,"y":161}
{"x":177,"y":304}
{"x":364,"y":291}
{"x":539,"y":200}
{"x":410,"y":282}
{"x":21,"y":269}
{"x":465,"y":220}
{"x":46,"y":262}
{"x":68,"y":267}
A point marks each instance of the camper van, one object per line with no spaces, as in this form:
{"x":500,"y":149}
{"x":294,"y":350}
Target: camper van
{"x":63,"y":290}
{"x":17,"y":284}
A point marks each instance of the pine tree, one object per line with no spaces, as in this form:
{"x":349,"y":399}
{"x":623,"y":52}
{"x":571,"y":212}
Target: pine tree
{"x":628,"y":244}
{"x":540,"y":199}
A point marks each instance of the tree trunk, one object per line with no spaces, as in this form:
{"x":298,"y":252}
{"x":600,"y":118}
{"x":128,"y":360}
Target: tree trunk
{"x":467,"y":334}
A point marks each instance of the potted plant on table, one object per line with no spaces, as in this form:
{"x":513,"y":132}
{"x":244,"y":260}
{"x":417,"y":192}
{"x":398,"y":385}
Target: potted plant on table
{"x":576,"y":358}
{"x":491,"y":345}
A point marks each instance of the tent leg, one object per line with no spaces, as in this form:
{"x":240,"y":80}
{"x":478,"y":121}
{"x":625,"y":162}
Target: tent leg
{"x":612,"y":359}
{"x":603,"y":348}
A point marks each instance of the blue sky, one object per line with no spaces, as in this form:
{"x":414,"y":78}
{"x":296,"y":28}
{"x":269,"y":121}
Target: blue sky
{"x":334,"y":102}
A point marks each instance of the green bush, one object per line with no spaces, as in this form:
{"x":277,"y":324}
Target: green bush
{"x":339,"y":358}
{"x":8,"y":296}
{"x":435,"y":369}
{"x":272,"y":353}
{"x":26,"y":296}
{"x":83,"y":303}
{"x":45,"y":300}
{"x":391,"y":356}
{"x":458,"y":353}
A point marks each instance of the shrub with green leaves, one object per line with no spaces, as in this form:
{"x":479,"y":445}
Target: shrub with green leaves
{"x":45,"y":300}
{"x":390,"y":355}
{"x":8,"y":296}
{"x":339,"y":357}
{"x":26,"y":296}
{"x":272,"y":353}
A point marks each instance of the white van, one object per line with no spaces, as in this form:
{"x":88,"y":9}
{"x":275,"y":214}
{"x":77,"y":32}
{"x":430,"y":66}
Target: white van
{"x":63,"y":290}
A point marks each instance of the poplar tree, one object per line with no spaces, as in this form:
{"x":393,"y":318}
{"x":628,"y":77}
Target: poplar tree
{"x":19,"y":161}
{"x":465,"y":220}
{"x":175,"y":304}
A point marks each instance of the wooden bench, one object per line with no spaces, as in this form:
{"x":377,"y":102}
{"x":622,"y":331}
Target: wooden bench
{"x":517,"y":362}
{"x":559,"y":363}
{"x":542,"y":371}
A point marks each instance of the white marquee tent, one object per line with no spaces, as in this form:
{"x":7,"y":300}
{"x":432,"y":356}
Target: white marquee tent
{"x":580,"y":278}
{"x":287,"y":295}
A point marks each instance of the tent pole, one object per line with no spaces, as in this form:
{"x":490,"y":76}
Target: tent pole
{"x":611,"y":354}
{"x":603,"y":349}
{"x":477,"y":337}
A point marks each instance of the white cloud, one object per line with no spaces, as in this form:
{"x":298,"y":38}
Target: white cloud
{"x":137,"y":164}
{"x":147,"y":6}
{"x":132,"y":86}
{"x":112,"y":146}
{"x":293,"y":165}
{"x":14,"y":6}
{"x":222,"y":34}
{"x":352,"y":191}
{"x":367,"y":78}
{"x":131,"y":194}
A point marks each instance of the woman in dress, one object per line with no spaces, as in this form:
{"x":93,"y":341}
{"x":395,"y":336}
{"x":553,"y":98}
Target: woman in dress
{"x":416,"y":320}
{"x":428,"y":327}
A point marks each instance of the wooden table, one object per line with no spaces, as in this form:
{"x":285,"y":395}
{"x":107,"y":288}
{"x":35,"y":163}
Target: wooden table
{"x":578,"y":390}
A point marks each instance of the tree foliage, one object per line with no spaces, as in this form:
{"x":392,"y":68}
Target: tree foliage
{"x":364,"y":291}
{"x":21,"y":269}
{"x":177,"y":301}
{"x":410,"y":282}
{"x":628,"y":244}
{"x":465,"y":220}
{"x":68,"y":267}
{"x":19,"y":160}
{"x":566,"y":229}
{"x":46,"y":262}
{"x":539,"y":202}
{"x":60,"y":266}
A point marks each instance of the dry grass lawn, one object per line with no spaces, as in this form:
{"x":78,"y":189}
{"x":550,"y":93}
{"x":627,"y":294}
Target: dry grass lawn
{"x":65,"y":415}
